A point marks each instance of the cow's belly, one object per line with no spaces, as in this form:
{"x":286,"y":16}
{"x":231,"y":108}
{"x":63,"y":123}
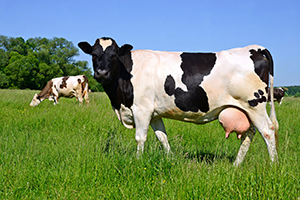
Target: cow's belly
{"x":194,"y":117}
{"x":66,"y":92}
{"x":125,"y":116}
{"x":67,"y":95}
{"x":167,"y":108}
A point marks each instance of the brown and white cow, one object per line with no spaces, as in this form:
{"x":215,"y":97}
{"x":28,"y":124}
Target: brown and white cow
{"x":278,"y":95}
{"x":145,"y":86}
{"x":68,"y":86}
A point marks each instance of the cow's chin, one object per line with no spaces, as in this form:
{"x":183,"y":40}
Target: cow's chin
{"x":105,"y":81}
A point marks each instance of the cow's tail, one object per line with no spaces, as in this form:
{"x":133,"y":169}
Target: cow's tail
{"x":272,"y":111}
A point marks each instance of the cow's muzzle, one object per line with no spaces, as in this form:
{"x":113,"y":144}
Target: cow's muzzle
{"x":102,"y":76}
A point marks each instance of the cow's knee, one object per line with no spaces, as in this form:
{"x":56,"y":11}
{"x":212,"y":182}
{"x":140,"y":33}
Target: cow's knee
{"x":140,"y":140}
{"x":80,"y":100}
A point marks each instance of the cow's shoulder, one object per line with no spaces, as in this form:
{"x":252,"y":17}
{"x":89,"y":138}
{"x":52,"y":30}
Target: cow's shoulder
{"x":144,"y":57}
{"x":47,"y":90}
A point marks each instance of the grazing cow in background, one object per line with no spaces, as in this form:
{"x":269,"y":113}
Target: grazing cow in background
{"x":278,"y":95}
{"x":68,"y":86}
{"x":145,"y":86}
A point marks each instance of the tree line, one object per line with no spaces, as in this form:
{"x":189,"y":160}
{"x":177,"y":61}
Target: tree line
{"x":292,"y":91}
{"x":32,"y":63}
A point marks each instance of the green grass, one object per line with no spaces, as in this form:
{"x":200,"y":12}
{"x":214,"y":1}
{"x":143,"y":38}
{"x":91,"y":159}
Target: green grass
{"x":69,"y":151}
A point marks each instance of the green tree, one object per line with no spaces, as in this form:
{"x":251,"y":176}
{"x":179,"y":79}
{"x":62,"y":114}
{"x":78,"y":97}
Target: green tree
{"x":32,"y":63}
{"x":4,"y":58}
{"x":292,"y":90}
{"x":4,"y":83}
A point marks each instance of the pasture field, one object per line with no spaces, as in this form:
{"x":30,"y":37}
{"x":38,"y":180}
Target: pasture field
{"x":70,"y":151}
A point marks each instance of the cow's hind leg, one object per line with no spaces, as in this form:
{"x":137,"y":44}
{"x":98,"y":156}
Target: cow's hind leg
{"x":86,"y":93}
{"x":267,"y":129}
{"x":86,"y":96}
{"x":246,"y":140}
{"x":160,"y":131}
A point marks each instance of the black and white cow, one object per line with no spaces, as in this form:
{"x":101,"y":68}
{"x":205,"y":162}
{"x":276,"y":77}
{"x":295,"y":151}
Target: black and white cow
{"x":145,"y":86}
{"x":67,"y":86}
{"x":278,"y":95}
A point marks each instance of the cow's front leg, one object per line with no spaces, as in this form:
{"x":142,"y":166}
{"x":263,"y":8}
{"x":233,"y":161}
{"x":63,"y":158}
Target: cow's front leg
{"x":80,"y":99}
{"x":78,"y":95}
{"x":245,"y":144}
{"x":142,"y":121}
{"x":160,"y":131}
{"x":54,"y":98}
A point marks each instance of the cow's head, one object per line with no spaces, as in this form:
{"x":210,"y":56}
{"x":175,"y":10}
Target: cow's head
{"x":35,"y":101}
{"x":105,"y":56}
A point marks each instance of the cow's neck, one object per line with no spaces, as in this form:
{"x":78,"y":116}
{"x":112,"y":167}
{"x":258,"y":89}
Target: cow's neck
{"x":47,"y":90}
{"x":110,"y":89}
{"x":120,"y":89}
{"x":42,"y":96}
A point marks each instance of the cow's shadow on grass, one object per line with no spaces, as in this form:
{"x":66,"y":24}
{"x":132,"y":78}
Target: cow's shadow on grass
{"x":112,"y":142}
{"x":201,"y":155}
{"x":208,"y":157}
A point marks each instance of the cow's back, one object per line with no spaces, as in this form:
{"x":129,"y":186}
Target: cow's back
{"x":66,"y":86}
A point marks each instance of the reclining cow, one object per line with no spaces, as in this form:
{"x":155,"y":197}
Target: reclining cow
{"x":68,"y":86}
{"x":145,"y":86}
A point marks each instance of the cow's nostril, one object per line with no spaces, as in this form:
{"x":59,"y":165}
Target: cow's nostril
{"x":101,"y":74}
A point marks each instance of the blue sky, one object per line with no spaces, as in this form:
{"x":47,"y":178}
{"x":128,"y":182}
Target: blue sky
{"x":168,"y":25}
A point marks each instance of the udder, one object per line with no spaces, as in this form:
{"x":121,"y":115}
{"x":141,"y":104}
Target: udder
{"x":234,"y":120}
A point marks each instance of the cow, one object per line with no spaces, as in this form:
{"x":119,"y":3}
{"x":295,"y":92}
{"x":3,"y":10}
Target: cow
{"x":67,"y":86}
{"x":145,"y":86}
{"x":278,"y":95}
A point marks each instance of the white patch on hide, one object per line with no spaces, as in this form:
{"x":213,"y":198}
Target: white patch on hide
{"x":105,"y":43}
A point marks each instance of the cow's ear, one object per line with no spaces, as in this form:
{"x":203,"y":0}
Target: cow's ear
{"x":125,"y":49}
{"x":86,"y":47}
